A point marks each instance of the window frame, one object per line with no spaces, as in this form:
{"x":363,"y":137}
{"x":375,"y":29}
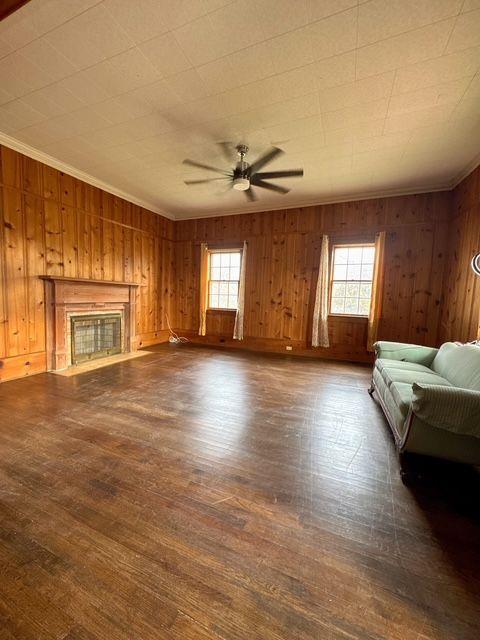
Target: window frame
{"x":347,"y":245}
{"x":223,"y":250}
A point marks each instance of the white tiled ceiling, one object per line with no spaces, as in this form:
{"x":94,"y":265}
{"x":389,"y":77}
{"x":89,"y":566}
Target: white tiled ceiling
{"x":369,"y":97}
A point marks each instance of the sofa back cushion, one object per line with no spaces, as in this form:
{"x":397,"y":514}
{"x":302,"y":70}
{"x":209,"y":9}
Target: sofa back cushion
{"x":459,"y":364}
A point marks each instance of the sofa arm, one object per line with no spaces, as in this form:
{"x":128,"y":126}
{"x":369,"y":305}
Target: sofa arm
{"x":448,"y":408}
{"x":407,"y":352}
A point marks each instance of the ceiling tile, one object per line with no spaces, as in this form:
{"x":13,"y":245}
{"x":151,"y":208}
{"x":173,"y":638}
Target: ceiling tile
{"x":19,"y":29}
{"x":41,"y":134}
{"x":165,"y":54}
{"x":42,"y":54}
{"x":23,"y":113}
{"x":151,"y":124}
{"x":49,"y":14}
{"x":5,"y":96}
{"x":124,"y":72}
{"x":9,"y":122}
{"x":334,"y":71}
{"x":291,"y":50}
{"x":80,"y":122}
{"x":384,"y":141}
{"x":254,"y":63}
{"x":358,"y":92}
{"x":89,"y":38}
{"x":444,"y":93}
{"x":83,"y":87}
{"x":278,"y":16}
{"x":113,"y":111}
{"x":469,"y":5}
{"x":408,"y":48}
{"x":21,"y":75}
{"x":219,"y":75}
{"x":293,"y":129}
{"x":418,"y":118}
{"x":466,"y":32}
{"x":142,"y":19}
{"x":199,"y":42}
{"x":441,"y":69}
{"x":177,"y":13}
{"x":236,"y":29}
{"x":355,"y":115}
{"x":318,"y":9}
{"x":354,"y":131}
{"x":47,"y":106}
{"x":5,"y":48}
{"x":379,"y":20}
{"x":297,"y":82}
{"x":153,"y":97}
{"x":334,"y":35}
{"x":188,"y":85}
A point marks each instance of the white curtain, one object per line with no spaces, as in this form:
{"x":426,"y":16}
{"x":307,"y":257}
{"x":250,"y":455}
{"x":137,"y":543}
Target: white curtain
{"x":202,"y":329}
{"x":238,"y":329}
{"x":320,"y":312}
{"x":378,"y":284}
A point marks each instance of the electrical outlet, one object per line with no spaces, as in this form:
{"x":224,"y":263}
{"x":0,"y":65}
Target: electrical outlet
{"x":289,"y":347}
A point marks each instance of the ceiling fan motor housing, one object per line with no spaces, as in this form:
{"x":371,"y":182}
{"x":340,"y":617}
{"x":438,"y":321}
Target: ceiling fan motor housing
{"x":241,"y":184}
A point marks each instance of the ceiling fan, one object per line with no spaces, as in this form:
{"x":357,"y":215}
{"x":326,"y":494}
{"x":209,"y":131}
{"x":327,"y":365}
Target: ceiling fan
{"x":244,"y":176}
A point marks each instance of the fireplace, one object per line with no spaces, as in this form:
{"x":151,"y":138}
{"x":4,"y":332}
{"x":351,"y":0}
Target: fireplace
{"x":88,"y":319}
{"x":95,"y":336}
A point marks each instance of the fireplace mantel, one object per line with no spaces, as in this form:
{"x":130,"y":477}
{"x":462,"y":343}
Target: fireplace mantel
{"x":64,"y":296}
{"x":89,"y":281}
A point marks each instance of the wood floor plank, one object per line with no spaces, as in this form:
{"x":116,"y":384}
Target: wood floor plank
{"x":196,"y":494}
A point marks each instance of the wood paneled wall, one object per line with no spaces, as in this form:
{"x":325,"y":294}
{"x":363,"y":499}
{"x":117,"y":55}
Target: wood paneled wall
{"x":53,"y":224}
{"x":461,"y":306}
{"x":282,"y":267}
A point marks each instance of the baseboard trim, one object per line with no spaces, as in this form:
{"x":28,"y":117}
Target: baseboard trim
{"x":278,"y":346}
{"x":22,"y":366}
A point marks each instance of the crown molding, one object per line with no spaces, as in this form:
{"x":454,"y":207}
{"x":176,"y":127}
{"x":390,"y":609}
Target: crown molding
{"x":35,"y":154}
{"x":31,"y":152}
{"x":314,"y":203}
{"x":471,"y":166}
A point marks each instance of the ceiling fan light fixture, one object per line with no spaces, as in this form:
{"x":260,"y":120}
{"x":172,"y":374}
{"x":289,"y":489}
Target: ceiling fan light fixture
{"x":241,"y":184}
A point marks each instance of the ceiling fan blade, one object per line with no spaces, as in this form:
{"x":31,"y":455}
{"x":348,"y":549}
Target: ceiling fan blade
{"x":250,"y":195}
{"x":199,"y":165}
{"x":293,"y":173}
{"x":206,"y":180}
{"x":228,"y":151}
{"x":265,"y":159}
{"x":268,"y":185}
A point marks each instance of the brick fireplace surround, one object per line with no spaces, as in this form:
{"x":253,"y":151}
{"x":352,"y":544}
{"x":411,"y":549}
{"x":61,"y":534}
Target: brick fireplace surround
{"x":73,"y":296}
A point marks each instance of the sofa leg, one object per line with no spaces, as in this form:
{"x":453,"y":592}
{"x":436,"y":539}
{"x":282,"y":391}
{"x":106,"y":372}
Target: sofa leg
{"x":371,"y":390}
{"x":410,"y":474}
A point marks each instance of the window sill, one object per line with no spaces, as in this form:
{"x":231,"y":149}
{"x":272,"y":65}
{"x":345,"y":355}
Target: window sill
{"x":220,"y":310}
{"x":349,"y":317}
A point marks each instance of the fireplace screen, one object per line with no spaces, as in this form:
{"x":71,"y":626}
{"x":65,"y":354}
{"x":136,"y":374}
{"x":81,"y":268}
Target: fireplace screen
{"x":96,"y":336}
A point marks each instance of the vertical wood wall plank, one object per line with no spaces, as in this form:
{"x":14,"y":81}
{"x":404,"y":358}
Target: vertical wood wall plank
{"x":54,"y":224}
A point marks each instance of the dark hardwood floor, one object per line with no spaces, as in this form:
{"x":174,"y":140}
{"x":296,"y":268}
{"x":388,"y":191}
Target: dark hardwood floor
{"x":206,"y":494}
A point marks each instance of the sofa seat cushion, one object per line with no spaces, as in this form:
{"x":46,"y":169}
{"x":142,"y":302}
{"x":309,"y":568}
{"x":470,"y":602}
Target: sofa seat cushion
{"x":402,"y":394}
{"x":389,"y":374}
{"x":380,"y":363}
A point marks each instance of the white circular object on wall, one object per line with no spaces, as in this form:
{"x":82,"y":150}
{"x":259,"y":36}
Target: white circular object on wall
{"x":476,"y":264}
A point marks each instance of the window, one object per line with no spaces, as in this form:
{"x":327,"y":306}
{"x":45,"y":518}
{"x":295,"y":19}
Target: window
{"x":223,"y":280}
{"x":352,"y":274}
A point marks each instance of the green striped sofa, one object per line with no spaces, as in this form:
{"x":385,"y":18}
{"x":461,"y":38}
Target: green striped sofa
{"x":431,"y":398}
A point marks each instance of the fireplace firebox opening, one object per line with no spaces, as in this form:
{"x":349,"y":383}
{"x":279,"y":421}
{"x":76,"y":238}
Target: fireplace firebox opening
{"x":95,"y":336}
